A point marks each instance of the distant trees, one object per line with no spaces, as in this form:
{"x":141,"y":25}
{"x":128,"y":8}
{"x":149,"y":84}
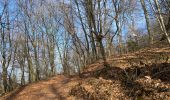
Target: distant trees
{"x":6,"y":44}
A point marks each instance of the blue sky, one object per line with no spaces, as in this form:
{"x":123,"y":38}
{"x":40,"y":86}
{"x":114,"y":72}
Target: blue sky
{"x":138,"y":17}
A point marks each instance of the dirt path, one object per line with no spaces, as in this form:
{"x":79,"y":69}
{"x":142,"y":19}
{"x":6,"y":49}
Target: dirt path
{"x":56,"y":88}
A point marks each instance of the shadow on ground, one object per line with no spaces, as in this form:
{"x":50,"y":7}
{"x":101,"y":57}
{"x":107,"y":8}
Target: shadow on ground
{"x":13,"y":94}
{"x":136,"y":81}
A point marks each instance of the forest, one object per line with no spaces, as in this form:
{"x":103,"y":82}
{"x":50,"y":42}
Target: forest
{"x":108,"y":44}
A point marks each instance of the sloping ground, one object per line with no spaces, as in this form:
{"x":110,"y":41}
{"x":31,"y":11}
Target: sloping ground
{"x":143,"y":75}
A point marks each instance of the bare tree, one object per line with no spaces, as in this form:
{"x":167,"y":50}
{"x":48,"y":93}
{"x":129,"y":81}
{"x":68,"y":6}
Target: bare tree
{"x":147,"y":21}
{"x":160,"y":19}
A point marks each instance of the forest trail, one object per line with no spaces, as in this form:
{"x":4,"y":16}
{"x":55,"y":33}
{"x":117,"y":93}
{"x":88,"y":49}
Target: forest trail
{"x":84,"y":49}
{"x":56,"y":88}
{"x":140,"y":75}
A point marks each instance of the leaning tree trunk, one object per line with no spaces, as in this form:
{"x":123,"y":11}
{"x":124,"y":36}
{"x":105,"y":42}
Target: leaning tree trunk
{"x":147,"y":21}
{"x":161,"y":21}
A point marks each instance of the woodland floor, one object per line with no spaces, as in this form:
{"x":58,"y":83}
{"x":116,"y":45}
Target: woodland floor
{"x":143,"y":75}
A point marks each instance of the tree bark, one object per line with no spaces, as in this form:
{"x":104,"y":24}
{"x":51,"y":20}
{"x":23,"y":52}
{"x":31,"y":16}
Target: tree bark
{"x":147,"y":21}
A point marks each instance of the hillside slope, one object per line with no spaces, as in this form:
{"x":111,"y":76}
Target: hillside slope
{"x":141,"y":75}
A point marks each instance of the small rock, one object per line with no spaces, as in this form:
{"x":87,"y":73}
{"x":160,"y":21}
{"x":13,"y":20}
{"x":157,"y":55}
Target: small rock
{"x":157,"y":84}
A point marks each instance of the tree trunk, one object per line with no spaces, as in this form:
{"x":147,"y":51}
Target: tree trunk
{"x":37,"y":78}
{"x":147,"y":21}
{"x":23,"y":73}
{"x":161,"y":21}
{"x":4,"y":78}
{"x":102,"y":50}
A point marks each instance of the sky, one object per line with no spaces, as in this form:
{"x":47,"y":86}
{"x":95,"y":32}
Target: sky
{"x":138,"y":17}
